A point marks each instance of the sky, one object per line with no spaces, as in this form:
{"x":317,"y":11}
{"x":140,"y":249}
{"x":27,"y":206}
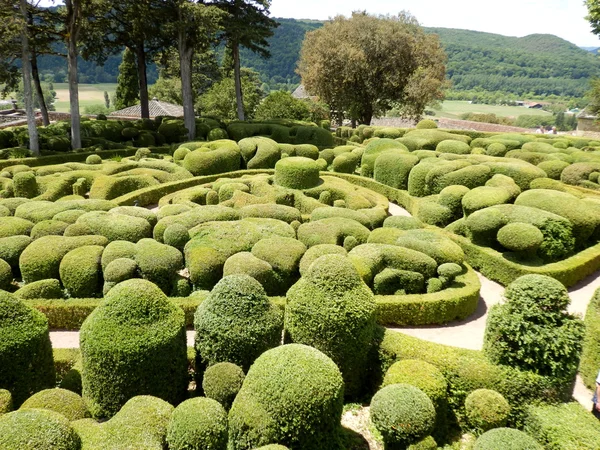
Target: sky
{"x":563,"y":18}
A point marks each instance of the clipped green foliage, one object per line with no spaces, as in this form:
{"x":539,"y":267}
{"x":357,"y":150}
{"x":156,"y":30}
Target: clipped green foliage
{"x":297,"y":173}
{"x":6,"y":275}
{"x":37,"y":429}
{"x":236,"y":323}
{"x":158,"y":263}
{"x":315,"y":252}
{"x":25,"y":185}
{"x":426,"y":124}
{"x":590,"y":356}
{"x":332,"y":230}
{"x":6,"y":404}
{"x":553,"y":168}
{"x":11,"y":248}
{"x":81,"y":272}
{"x":375,"y":149}
{"x":393,"y":168}
{"x":222,"y":382}
{"x":293,"y":395}
{"x":452,"y":146}
{"x":245,"y":263}
{"x":62,"y":401}
{"x":218,"y":156}
{"x":520,"y":237}
{"x":116,"y":227}
{"x":486,"y":409}
{"x":48,"y":288}
{"x":48,"y":227}
{"x":331,"y":309}
{"x":532,"y":330}
{"x":198,"y":424}
{"x":402,"y":413}
{"x":133,"y":344}
{"x":26,"y":361}
{"x":12,"y":226}
{"x":259,"y":152}
{"x":176,"y":235}
{"x":506,"y":439}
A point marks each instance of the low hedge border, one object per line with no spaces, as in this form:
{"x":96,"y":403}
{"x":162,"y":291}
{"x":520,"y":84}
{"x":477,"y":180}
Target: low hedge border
{"x":590,"y":356}
{"x":454,"y":303}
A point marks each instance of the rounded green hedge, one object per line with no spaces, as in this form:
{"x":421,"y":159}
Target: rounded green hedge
{"x":506,"y":439}
{"x":120,"y":269}
{"x":219,"y":156}
{"x":49,"y":288}
{"x":520,"y":237}
{"x":315,"y":252}
{"x":236,"y":323}
{"x":297,"y":173}
{"x":134,"y":343}
{"x":452,"y":146}
{"x":420,"y":374}
{"x":37,"y":429}
{"x":198,"y":424}
{"x":331,"y":309}
{"x":62,"y":401}
{"x":48,"y":227}
{"x":292,"y":395}
{"x":26,"y":360}
{"x":402,"y":413}
{"x":81,"y":271}
{"x":486,"y":409}
{"x":426,"y":124}
{"x":6,"y":275}
{"x":222,"y":382}
{"x":93,"y":159}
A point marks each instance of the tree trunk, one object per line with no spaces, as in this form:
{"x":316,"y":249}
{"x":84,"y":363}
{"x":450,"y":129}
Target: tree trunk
{"x":235,"y":50}
{"x":142,"y":80}
{"x":185,"y":62}
{"x":38,"y":89}
{"x":34,"y":145}
{"x":73,"y":18}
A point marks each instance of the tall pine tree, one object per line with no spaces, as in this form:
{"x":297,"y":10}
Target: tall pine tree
{"x":128,"y":92}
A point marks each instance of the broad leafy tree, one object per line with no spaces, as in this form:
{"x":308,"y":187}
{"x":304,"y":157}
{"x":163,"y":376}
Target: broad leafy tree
{"x":220,"y":99}
{"x":127,"y":92}
{"x":247,"y":25}
{"x":365,"y":65}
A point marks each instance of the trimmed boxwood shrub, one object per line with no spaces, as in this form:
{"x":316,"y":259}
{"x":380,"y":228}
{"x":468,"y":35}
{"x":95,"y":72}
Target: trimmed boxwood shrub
{"x":520,"y":237}
{"x":158,"y":263}
{"x":26,"y":362}
{"x":11,"y":248}
{"x":37,"y":429}
{"x":198,"y":424}
{"x":116,"y":227}
{"x":452,"y":146}
{"x":236,"y":323}
{"x":331,"y":231}
{"x":6,"y":275}
{"x":93,"y":159}
{"x":486,"y":409}
{"x":81,"y":271}
{"x":133,"y":344}
{"x":62,"y":401}
{"x":297,"y":173}
{"x":11,"y":226}
{"x":293,"y":395}
{"x":259,"y":152}
{"x":506,"y":439}
{"x":332,"y":310}
{"x":6,"y":404}
{"x":315,"y":252}
{"x":222,"y":382}
{"x":49,"y":288}
{"x":590,"y":356}
{"x":403,"y":414}
{"x":48,"y":227}
{"x":553,"y":168}
{"x":426,"y":124}
{"x":245,"y":263}
{"x":25,"y":185}
{"x":272,"y":447}
{"x":532,"y":330}
{"x":176,"y":235}
{"x":218,"y":156}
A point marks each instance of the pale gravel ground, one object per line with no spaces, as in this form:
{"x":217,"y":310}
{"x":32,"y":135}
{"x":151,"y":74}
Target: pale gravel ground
{"x":465,"y":334}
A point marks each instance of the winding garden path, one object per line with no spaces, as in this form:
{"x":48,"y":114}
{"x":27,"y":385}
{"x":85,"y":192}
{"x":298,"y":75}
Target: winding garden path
{"x":466,"y":333}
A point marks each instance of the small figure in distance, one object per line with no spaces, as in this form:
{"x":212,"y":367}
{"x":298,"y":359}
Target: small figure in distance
{"x":554,"y":130}
{"x":596,"y":399}
{"x":540,"y":130}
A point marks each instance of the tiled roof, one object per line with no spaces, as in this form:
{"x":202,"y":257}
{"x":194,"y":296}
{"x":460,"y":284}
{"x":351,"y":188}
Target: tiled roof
{"x":157,"y":108}
{"x":300,"y":92}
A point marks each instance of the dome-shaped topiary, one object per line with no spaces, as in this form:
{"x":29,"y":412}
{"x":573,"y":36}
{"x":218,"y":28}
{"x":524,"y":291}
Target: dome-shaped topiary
{"x":426,"y":124}
{"x":539,"y":291}
{"x":506,"y":439}
{"x":133,"y":344}
{"x":222,"y":382}
{"x":402,"y":413}
{"x":332,"y":309}
{"x":120,"y":269}
{"x":297,"y":173}
{"x":316,"y":251}
{"x":236,"y":323}
{"x":93,"y":159}
{"x":62,"y":401}
{"x":26,"y":361}
{"x":6,"y":276}
{"x":6,"y":403}
{"x":198,"y":424}
{"x":176,"y":235}
{"x":37,"y":429}
{"x":81,"y":272}
{"x":293,"y":395}
{"x":486,"y":409}
{"x":520,"y":237}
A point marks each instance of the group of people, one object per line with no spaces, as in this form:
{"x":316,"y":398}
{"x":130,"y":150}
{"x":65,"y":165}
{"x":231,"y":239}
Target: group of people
{"x":546,"y":130}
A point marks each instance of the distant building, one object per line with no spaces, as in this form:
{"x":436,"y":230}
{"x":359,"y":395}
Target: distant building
{"x":534,"y":105}
{"x":156,"y":107}
{"x":586,"y":121}
{"x":301,"y":94}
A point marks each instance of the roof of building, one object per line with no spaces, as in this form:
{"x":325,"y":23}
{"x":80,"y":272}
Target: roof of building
{"x":586,"y":114}
{"x":300,"y":92}
{"x":156,"y":107}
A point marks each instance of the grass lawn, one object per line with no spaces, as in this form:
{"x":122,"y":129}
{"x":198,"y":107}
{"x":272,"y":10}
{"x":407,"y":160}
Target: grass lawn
{"x":452,"y":109}
{"x":89,"y":94}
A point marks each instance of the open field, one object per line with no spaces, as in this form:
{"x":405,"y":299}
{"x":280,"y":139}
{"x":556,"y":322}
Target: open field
{"x":89,"y":94}
{"x":453,"y":109}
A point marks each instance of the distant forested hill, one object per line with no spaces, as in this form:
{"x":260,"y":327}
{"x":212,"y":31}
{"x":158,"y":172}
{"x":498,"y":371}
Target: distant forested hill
{"x":534,"y":65}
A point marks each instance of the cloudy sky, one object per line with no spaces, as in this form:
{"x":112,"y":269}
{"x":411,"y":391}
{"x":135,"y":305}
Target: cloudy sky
{"x":563,"y":18}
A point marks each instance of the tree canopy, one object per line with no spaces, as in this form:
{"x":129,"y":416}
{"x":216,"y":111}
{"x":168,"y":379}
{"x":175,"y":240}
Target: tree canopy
{"x":365,"y":65}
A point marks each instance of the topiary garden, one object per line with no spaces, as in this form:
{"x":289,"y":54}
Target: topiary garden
{"x":276,"y":243}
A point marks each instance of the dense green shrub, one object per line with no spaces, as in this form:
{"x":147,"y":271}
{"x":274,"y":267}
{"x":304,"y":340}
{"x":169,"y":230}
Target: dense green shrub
{"x":26,"y":362}
{"x":495,"y":149}
{"x":506,"y":439}
{"x":108,"y":187}
{"x":48,"y":288}
{"x":565,"y":426}
{"x":532,"y":330}
{"x":158,"y":263}
{"x":6,"y":275}
{"x":93,"y":159}
{"x":432,"y":243}
{"x":374,"y":150}
{"x":590,"y":356}
{"x":245,"y":263}
{"x":297,"y":173}
{"x":141,"y":423}
{"x":402,"y":413}
{"x":402,"y":222}
{"x":62,"y":401}
{"x":331,"y":309}
{"x":25,"y":185}
{"x":393,"y":168}
{"x":12,"y":226}
{"x":315,"y":252}
{"x":133,"y":344}
{"x":452,"y":146}
{"x":222,"y":382}
{"x":80,"y":271}
{"x":176,"y":235}
{"x":553,"y":168}
{"x":293,"y":395}
{"x":259,"y":152}
{"x":578,"y":172}
{"x":6,"y":404}
{"x":198,"y":424}
{"x":331,"y":231}
{"x":37,"y":429}
{"x":520,"y":237}
{"x":284,"y":255}
{"x":236,"y":323}
{"x":483,"y":196}
{"x":116,"y":227}
{"x":219,"y":156}
{"x":426,"y":124}
{"x":486,"y":409}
